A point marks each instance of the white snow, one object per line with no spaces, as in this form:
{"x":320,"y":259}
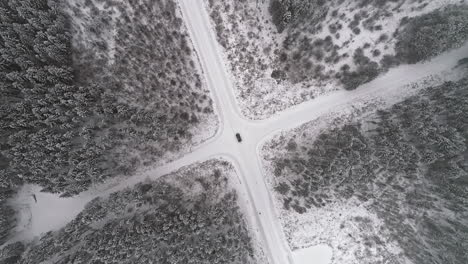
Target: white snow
{"x":318,"y":254}
{"x":50,"y":212}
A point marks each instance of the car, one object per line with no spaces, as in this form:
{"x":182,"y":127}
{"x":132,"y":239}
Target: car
{"x":238,"y":137}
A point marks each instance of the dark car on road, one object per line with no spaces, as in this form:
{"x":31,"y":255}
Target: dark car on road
{"x":238,"y":137}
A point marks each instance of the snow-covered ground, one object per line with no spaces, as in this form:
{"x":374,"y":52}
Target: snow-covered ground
{"x":394,"y":85}
{"x":40,"y":212}
{"x":318,"y":254}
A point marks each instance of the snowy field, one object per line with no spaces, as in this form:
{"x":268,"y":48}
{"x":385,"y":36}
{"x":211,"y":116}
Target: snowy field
{"x":40,"y":212}
{"x":318,"y":254}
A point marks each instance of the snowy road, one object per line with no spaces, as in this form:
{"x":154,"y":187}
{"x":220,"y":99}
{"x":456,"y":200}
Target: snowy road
{"x":233,"y":122}
{"x":244,"y":155}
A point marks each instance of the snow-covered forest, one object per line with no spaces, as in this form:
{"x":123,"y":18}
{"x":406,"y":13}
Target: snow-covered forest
{"x":285,"y":52}
{"x":234,"y":131}
{"x":190,"y":216}
{"x":91,"y":90}
{"x":388,"y":185}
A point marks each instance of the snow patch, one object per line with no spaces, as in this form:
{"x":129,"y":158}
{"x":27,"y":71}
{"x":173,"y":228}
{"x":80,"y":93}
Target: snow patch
{"x":39,"y":212}
{"x":318,"y":254}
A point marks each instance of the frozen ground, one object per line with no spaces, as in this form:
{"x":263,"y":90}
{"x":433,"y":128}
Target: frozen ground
{"x":41,"y":212}
{"x":318,"y":254}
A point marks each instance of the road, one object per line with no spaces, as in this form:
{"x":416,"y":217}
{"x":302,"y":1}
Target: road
{"x":232,"y":122}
